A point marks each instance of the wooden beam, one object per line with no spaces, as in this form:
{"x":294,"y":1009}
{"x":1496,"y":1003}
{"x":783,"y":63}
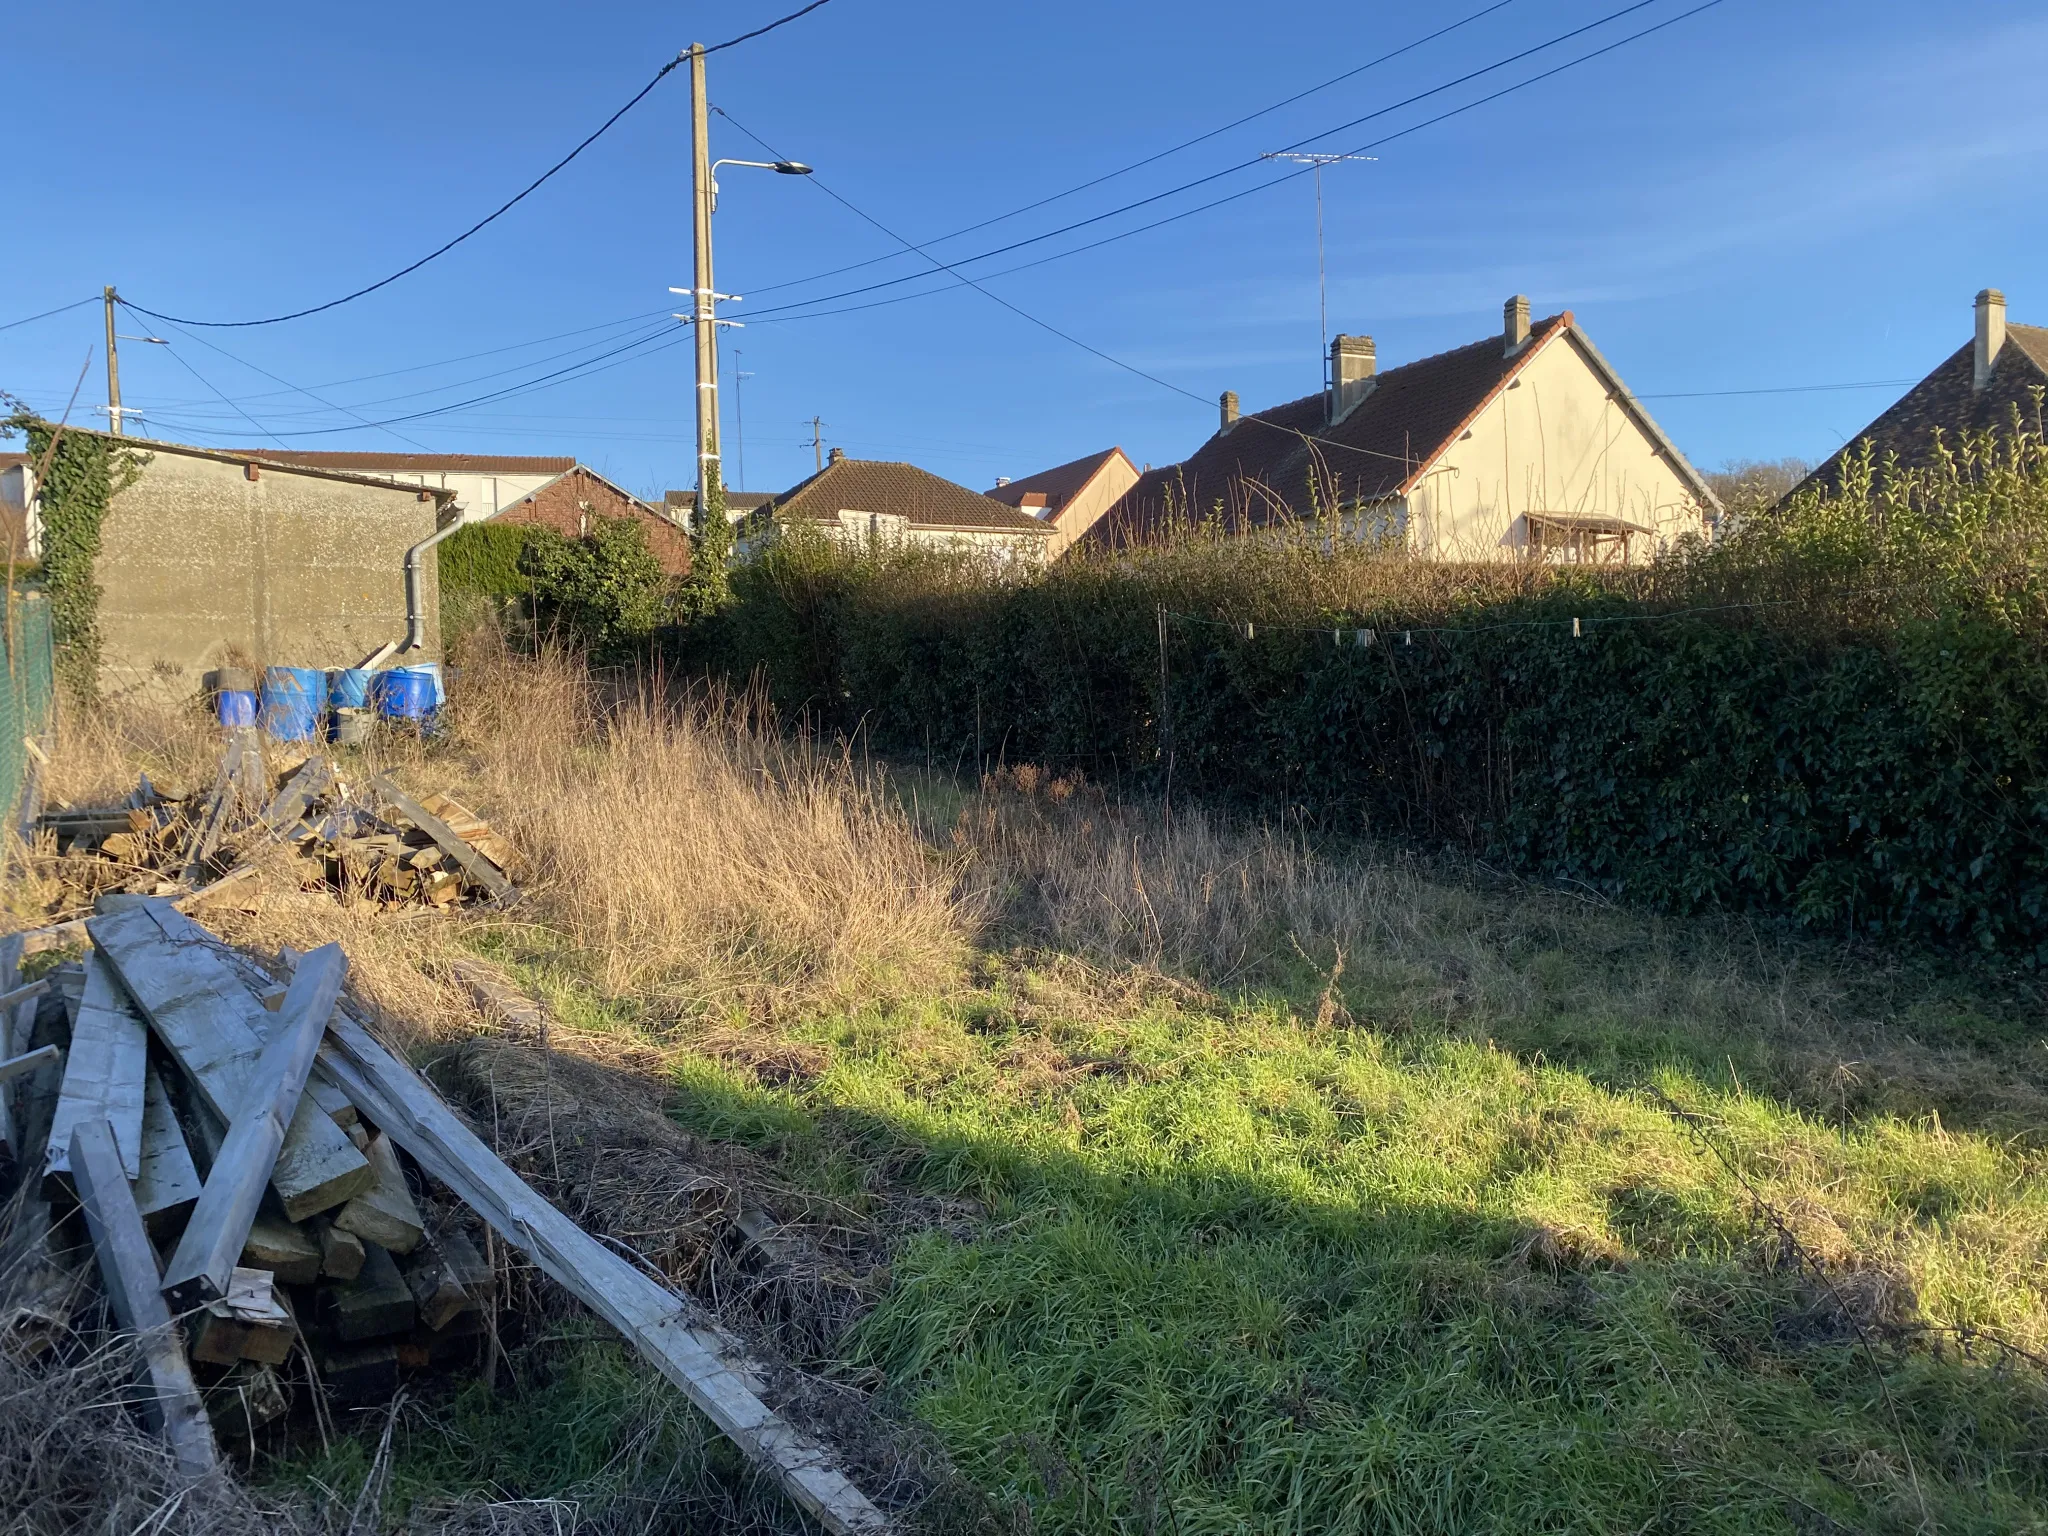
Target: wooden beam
{"x":208,"y":1020}
{"x":314,"y":778}
{"x":29,"y":1061}
{"x":128,"y":1264}
{"x":221,"y":803}
{"x":169,"y":1183}
{"x":103,"y":1074}
{"x":671,"y":1332}
{"x":204,"y":1263}
{"x":385,"y":1213}
{"x":478,"y":868}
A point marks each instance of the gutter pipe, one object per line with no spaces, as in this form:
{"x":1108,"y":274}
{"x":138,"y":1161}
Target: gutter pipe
{"x":415,"y":609}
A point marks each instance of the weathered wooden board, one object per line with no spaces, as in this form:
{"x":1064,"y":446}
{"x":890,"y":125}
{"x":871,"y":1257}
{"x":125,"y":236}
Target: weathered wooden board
{"x":204,"y":1262}
{"x":128,"y":1264}
{"x":169,"y":1182}
{"x":29,"y":1061}
{"x":703,"y":1361}
{"x":384,"y":1214}
{"x":374,"y":1305}
{"x":103,"y":1075}
{"x":474,"y":865}
{"x":209,"y":1021}
{"x":314,"y":778}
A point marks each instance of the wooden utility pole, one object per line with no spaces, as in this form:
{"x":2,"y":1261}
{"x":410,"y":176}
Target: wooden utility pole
{"x":113,"y":368}
{"x":705,"y":308}
{"x":818,"y":442}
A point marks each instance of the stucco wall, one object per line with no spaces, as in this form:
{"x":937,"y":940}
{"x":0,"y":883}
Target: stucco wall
{"x":1085,"y":508}
{"x":198,"y":562}
{"x":1556,"y":442}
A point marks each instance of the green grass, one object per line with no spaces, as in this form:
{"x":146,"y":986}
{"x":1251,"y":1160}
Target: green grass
{"x":1242,"y":1274}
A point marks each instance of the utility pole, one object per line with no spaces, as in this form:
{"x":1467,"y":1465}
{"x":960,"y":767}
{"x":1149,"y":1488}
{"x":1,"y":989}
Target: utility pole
{"x":818,"y":443}
{"x":739,"y":420}
{"x":113,"y":368}
{"x":1322,"y":275}
{"x":704,"y":309}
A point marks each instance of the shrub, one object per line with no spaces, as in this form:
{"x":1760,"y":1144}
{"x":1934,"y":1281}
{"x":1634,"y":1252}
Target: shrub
{"x":605,"y":591}
{"x":1839,"y":714}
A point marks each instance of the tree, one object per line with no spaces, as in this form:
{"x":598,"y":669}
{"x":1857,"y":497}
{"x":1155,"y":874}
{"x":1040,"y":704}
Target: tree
{"x":606,"y":589}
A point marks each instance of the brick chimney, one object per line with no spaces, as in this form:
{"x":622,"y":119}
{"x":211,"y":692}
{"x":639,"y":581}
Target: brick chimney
{"x":835,"y":456}
{"x":1353,"y":364}
{"x":1514,"y":328}
{"x":1228,"y":406}
{"x":1990,"y":336}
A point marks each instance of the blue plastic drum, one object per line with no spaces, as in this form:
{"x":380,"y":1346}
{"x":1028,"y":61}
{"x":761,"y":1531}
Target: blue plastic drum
{"x":408,"y":693}
{"x":349,"y":688}
{"x":235,"y":706}
{"x":294,"y":699}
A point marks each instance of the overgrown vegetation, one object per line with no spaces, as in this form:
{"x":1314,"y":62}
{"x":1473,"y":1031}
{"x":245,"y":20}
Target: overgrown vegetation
{"x":604,"y":592}
{"x":1838,"y":713}
{"x":84,"y":474}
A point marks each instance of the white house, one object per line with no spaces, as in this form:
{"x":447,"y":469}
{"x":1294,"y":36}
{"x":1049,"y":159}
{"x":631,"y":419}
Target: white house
{"x":484,"y":484}
{"x":1524,"y":446}
{"x":871,"y":500}
{"x":1071,"y":497}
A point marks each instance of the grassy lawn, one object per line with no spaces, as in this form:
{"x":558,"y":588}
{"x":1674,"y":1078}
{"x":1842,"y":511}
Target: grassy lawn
{"x":1216,"y":1180}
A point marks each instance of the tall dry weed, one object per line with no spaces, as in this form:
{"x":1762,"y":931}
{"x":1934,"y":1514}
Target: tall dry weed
{"x":695,"y":853}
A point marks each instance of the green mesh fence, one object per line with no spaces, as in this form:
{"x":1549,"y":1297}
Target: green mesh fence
{"x":31,"y":680}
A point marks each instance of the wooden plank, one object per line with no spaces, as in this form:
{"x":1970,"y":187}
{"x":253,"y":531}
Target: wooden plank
{"x":321,"y":1087}
{"x":474,"y":865}
{"x":446,"y":1277}
{"x":707,"y":1364}
{"x":205,"y":1259}
{"x":12,"y":947}
{"x":341,"y":1253}
{"x":103,"y":1073}
{"x":278,"y":1246}
{"x":128,"y":1264}
{"x":314,"y":778}
{"x":169,"y":1182}
{"x":29,"y":1061}
{"x":374,"y":1305}
{"x":209,"y":1021}
{"x":221,"y":802}
{"x":385,"y":1213}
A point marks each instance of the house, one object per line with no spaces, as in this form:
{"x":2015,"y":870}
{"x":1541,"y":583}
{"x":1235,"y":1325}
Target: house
{"x":482,"y":484}
{"x":873,"y":501}
{"x":20,"y":532}
{"x":1526,"y":445}
{"x":577,"y":497}
{"x":1995,"y":378}
{"x":210,"y":557}
{"x":681,"y":506}
{"x":1072,"y":497}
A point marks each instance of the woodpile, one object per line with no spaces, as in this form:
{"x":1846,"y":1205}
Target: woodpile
{"x":286,"y":1215}
{"x":367,"y":842}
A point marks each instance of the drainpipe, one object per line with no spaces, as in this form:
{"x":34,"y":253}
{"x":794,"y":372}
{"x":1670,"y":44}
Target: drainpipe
{"x":415,"y":610}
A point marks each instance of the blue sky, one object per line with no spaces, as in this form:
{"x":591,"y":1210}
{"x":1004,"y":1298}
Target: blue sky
{"x":1761,"y":196}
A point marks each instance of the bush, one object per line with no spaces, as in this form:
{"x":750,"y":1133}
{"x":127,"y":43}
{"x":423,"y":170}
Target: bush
{"x":605,"y":591}
{"x":1839,"y":714}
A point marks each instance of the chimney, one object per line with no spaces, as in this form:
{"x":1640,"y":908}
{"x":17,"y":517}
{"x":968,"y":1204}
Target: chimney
{"x":1001,"y":481}
{"x":1352,"y":366}
{"x":1990,"y":335}
{"x":1514,"y":330}
{"x":836,"y":456}
{"x":1228,"y":405}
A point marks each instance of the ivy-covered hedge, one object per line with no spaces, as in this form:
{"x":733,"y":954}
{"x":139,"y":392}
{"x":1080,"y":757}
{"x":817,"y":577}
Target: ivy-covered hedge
{"x":483,"y":559}
{"x":1821,"y":719}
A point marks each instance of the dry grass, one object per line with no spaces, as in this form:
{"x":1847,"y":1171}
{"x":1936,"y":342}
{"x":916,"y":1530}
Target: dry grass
{"x":693,"y":854}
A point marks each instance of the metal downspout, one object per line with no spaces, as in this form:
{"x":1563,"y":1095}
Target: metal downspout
{"x":415,"y":609}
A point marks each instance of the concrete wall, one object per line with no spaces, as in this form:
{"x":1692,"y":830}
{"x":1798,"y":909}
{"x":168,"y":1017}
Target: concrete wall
{"x":1558,"y":442}
{"x":198,"y":563}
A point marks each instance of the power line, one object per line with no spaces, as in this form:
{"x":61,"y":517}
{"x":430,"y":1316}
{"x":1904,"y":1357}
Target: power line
{"x":1200,"y":138}
{"x":208,"y":383}
{"x":503,"y":208}
{"x":60,"y":309}
{"x":801,"y":312}
{"x":1259,"y":160}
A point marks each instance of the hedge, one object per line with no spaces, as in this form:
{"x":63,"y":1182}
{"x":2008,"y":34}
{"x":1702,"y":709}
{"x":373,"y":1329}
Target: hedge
{"x":1704,"y":740}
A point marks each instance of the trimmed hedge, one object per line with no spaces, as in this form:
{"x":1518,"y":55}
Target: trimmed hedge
{"x":1874,"y":778}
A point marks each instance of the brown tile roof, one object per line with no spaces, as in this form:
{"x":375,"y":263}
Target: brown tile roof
{"x":925,"y":500}
{"x":1057,"y":484}
{"x":13,"y":460}
{"x":1281,"y":462}
{"x":412,"y":463}
{"x":1947,"y":399}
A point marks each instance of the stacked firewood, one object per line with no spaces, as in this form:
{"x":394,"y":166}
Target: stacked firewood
{"x":366,"y":841}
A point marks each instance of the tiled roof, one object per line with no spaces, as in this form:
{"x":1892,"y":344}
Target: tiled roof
{"x":412,"y":463}
{"x":1947,"y":399}
{"x":1264,"y":467}
{"x":1056,"y":484}
{"x":13,"y":460}
{"x":922,"y":498}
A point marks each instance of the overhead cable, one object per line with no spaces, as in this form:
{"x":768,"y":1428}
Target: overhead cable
{"x":503,"y":208}
{"x":60,"y":309}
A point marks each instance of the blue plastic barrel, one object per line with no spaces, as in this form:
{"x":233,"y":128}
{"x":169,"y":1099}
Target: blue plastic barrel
{"x":235,"y":706}
{"x":294,"y":699}
{"x":407,"y":693}
{"x":349,"y":688}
